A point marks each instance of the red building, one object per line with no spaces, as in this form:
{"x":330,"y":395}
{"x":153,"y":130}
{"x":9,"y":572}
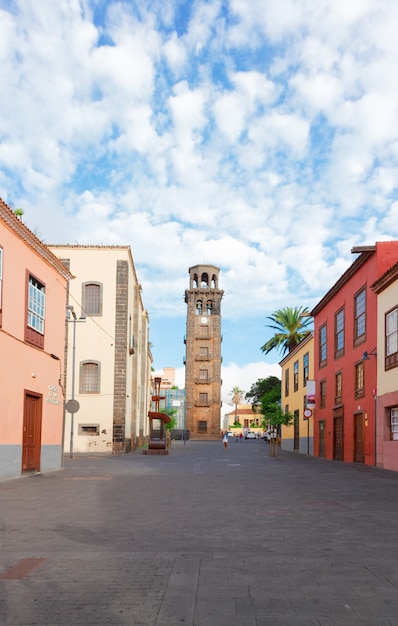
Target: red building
{"x":345,"y":331}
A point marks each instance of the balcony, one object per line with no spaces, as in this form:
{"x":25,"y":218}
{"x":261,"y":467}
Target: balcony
{"x":202,"y":402}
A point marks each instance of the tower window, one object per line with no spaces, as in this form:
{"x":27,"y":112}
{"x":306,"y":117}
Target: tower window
{"x":209,"y":307}
{"x":204,"y":282}
{"x":198,"y":309}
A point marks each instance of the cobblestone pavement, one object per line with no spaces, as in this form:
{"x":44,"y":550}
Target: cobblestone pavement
{"x":201,"y":537}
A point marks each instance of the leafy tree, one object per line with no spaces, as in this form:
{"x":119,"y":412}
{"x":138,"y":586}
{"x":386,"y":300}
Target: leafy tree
{"x":269,"y":387}
{"x":290,"y":324}
{"x":275,"y":417}
{"x":172,"y":413}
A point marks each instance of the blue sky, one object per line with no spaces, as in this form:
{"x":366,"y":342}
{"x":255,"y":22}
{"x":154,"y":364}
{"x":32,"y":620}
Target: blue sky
{"x":261,"y":137}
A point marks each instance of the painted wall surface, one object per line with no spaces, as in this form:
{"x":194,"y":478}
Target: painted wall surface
{"x":353,"y":410}
{"x":387,"y":385}
{"x":23,"y":367}
{"x":95,"y":340}
{"x":295,"y":399}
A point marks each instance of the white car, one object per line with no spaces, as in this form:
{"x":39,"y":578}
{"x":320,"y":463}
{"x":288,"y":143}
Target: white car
{"x":250,"y":435}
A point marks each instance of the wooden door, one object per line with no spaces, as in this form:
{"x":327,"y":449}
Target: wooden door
{"x":296,"y":432}
{"x":31,"y":440}
{"x":359,"y":441}
{"x":321,"y":440}
{"x":338,"y":439}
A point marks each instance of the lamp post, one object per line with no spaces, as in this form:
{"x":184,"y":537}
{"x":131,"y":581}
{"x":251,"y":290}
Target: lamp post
{"x":72,"y":406}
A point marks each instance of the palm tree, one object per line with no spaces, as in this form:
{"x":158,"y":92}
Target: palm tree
{"x":236,"y":394}
{"x":290,"y":324}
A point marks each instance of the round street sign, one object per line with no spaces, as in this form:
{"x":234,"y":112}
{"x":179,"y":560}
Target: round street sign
{"x":307,"y":413}
{"x":72,"y":406}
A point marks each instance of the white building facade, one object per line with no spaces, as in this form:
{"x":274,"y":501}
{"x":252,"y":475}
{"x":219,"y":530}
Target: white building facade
{"x":107,"y":355}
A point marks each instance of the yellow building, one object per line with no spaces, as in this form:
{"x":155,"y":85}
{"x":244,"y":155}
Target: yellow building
{"x":248,"y":419}
{"x":297,"y":368}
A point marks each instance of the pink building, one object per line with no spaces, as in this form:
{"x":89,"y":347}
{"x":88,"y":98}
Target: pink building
{"x":386,"y":356}
{"x":33,"y":286}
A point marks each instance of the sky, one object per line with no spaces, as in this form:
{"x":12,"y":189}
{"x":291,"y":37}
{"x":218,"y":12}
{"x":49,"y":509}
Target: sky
{"x":260,"y":137}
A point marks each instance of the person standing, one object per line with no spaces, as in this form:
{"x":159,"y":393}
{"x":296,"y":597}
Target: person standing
{"x":225,"y":440}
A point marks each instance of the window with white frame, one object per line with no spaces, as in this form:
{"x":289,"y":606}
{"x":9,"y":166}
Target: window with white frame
{"x":36,"y":305}
{"x":394,"y":423}
{"x":391,"y":335}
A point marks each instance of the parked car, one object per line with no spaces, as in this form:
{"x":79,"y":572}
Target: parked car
{"x":269,"y":434}
{"x":250,"y":435}
{"x":230,"y":433}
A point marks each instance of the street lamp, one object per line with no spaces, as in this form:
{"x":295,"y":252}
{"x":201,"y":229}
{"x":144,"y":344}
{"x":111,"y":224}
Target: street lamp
{"x":72,"y":406}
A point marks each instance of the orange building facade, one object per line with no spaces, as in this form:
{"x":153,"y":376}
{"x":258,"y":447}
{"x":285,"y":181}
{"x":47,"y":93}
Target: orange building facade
{"x":33,"y":285}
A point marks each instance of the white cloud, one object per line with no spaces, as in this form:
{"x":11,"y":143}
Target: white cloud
{"x":257,"y":136}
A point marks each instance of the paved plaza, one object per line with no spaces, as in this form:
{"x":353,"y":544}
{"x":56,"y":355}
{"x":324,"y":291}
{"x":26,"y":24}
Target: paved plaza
{"x":201,"y":537}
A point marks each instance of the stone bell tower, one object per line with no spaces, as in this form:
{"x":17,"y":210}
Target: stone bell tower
{"x":203,"y":353}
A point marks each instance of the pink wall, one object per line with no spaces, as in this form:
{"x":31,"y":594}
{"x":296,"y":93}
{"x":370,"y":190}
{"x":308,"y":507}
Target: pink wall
{"x":24,"y":367}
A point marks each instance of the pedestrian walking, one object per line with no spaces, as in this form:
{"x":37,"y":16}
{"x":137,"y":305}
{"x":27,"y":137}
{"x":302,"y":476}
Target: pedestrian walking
{"x":225,"y":440}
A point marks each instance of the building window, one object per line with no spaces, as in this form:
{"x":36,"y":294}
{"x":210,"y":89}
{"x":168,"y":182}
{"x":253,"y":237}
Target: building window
{"x":338,"y":388}
{"x":339,"y":333}
{"x":89,"y":377}
{"x":286,"y":382}
{"x":204,"y":352}
{"x":391,"y":339}
{"x":322,"y":346}
{"x":322,"y":393}
{"x":198,"y":308}
{"x":202,"y":426}
{"x":360,"y":316}
{"x":209,"y":307}
{"x":295,"y":376}
{"x":92,"y":298}
{"x":359,"y":380}
{"x":394,"y":423}
{"x":204,"y":331}
{"x":203,"y":374}
{"x":203,"y":399}
{"x":36,"y":305}
{"x":90,"y":430}
{"x":306,"y":368}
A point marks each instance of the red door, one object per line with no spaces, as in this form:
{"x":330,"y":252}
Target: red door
{"x":359,"y":442}
{"x":338,"y":439}
{"x":31,"y":440}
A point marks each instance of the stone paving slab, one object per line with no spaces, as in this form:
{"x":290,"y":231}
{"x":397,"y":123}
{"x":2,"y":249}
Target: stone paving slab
{"x":201,"y":537}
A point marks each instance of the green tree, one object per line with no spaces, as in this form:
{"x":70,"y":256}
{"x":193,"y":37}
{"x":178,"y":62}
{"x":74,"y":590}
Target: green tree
{"x":291,"y":325}
{"x":172,"y":413}
{"x":269,"y":387}
{"x":236,"y":394}
{"x":275,"y":417}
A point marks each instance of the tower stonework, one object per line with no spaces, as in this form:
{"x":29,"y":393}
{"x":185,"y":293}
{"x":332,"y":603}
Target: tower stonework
{"x":203,"y":353}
